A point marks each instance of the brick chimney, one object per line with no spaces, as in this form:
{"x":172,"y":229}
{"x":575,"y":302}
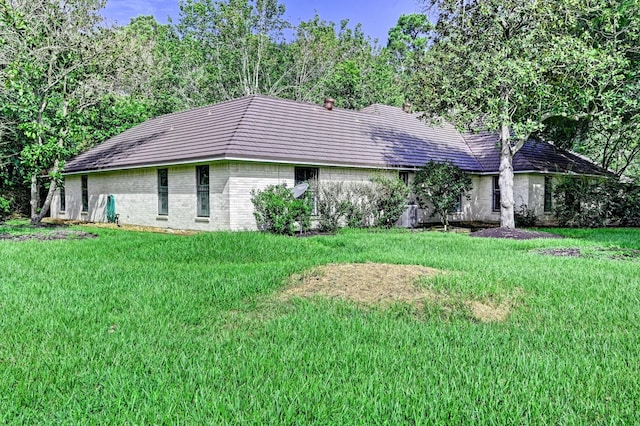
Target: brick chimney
{"x":328,"y":103}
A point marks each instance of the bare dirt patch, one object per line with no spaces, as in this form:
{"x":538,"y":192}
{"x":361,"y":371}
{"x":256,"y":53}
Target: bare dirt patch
{"x":125,"y":227}
{"x":611,"y":253}
{"x":378,"y":284}
{"x":513,"y":234}
{"x":47,"y":236}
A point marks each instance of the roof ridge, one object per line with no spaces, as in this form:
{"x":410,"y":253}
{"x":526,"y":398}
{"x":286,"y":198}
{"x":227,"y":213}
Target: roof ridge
{"x":250,"y":100}
{"x":463,"y":136}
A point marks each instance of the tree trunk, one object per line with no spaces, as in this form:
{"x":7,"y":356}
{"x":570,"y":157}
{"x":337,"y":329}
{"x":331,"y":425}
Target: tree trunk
{"x":507,"y":202}
{"x":35,"y":198}
{"x":47,"y":204}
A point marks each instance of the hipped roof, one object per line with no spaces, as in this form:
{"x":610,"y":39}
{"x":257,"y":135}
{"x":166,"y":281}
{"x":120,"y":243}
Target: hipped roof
{"x":261,"y":128}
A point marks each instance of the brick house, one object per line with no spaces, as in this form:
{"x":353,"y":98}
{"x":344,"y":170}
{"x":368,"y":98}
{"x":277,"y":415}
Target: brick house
{"x":195,"y":169}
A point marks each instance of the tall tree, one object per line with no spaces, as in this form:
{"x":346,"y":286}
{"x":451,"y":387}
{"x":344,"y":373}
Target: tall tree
{"x":508,"y":66}
{"x":236,"y":44}
{"x":342,"y":63}
{"x":611,"y":135}
{"x":58,"y":63}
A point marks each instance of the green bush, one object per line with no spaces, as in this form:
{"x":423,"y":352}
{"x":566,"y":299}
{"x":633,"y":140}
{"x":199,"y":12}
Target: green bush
{"x":360,"y":208}
{"x":441,"y":185}
{"x":591,"y":203}
{"x":390,"y":200}
{"x":525,"y":217}
{"x":278,"y":212}
{"x":5,"y":208}
{"x":378,"y":203}
{"x":333,"y":205}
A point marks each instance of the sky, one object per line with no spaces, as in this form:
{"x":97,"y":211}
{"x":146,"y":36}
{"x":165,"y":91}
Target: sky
{"x":376,"y":16}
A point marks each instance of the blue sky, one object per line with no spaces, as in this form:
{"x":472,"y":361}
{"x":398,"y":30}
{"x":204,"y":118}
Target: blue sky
{"x":376,"y":16}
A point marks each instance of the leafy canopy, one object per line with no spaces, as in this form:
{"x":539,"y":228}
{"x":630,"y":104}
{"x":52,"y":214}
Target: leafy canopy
{"x":441,"y":186}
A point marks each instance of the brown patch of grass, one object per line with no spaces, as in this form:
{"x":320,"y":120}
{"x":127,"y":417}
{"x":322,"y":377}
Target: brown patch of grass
{"x":378,"y":284}
{"x":136,"y":228}
{"x":365,"y":283}
{"x":487,"y":312}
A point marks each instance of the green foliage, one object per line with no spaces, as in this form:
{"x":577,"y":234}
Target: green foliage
{"x":360,"y":209}
{"x":278,"y":212}
{"x":525,"y":217}
{"x":592,"y":203}
{"x":390,"y":200}
{"x":333,"y":205}
{"x":441,"y":186}
{"x":5,"y":208}
{"x":378,"y":203}
{"x":508,"y":67}
{"x":408,"y":40}
{"x":60,"y":65}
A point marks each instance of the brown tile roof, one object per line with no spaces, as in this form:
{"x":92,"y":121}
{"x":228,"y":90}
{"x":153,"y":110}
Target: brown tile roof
{"x":267,"y":129}
{"x":533,"y":156}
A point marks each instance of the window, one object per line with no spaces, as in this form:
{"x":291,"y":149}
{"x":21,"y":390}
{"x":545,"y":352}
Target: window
{"x":459,"y":204}
{"x":85,"y":193}
{"x":548,"y":192}
{"x":310,"y":176}
{"x":404,"y":176}
{"x":202,"y":184}
{"x":63,"y":197}
{"x":496,"y":194}
{"x":163,"y":192}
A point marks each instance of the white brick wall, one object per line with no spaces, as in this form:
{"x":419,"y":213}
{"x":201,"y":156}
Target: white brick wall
{"x":245,"y":176}
{"x":230,"y":185}
{"x":136,"y":196}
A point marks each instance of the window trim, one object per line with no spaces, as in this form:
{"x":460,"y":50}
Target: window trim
{"x":404,"y":177}
{"x":63,"y":196}
{"x":548,"y":194}
{"x":495,"y":194}
{"x":84,"y":189}
{"x":203,"y":196}
{"x":311,"y":180}
{"x":163,"y":192}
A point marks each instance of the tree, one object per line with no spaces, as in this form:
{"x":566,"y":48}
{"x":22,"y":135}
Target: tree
{"x":611,"y":134}
{"x":508,"y":66}
{"x":58,"y":63}
{"x":408,"y":40}
{"x":235,"y":46}
{"x":442,"y":185}
{"x":342,"y":63}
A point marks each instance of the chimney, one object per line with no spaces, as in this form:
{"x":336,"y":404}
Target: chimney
{"x":328,"y":103}
{"x":406,"y":107}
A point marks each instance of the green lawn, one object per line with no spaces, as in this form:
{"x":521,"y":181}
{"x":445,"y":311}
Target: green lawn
{"x":141,"y":328}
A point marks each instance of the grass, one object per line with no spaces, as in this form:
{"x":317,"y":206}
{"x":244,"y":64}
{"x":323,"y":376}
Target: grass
{"x":141,"y":328}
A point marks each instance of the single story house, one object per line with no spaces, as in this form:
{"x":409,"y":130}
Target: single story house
{"x":195,"y":169}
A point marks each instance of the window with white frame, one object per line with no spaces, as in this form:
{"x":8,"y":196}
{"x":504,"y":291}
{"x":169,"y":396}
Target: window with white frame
{"x":202,"y":189}
{"x":496,"y":194}
{"x":310,"y":176}
{"x":163,"y":192}
{"x":85,"y":193}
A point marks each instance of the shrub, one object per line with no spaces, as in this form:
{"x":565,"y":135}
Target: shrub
{"x":590,"y":203}
{"x":5,"y":208}
{"x":360,"y":208}
{"x":390,"y":200}
{"x":525,"y":217}
{"x":442,"y":185}
{"x":333,"y":205}
{"x":379,"y":202}
{"x":627,"y":208}
{"x":277,"y":211}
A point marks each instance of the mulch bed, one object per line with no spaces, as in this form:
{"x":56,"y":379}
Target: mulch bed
{"x":47,"y":236}
{"x":513,"y":234}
